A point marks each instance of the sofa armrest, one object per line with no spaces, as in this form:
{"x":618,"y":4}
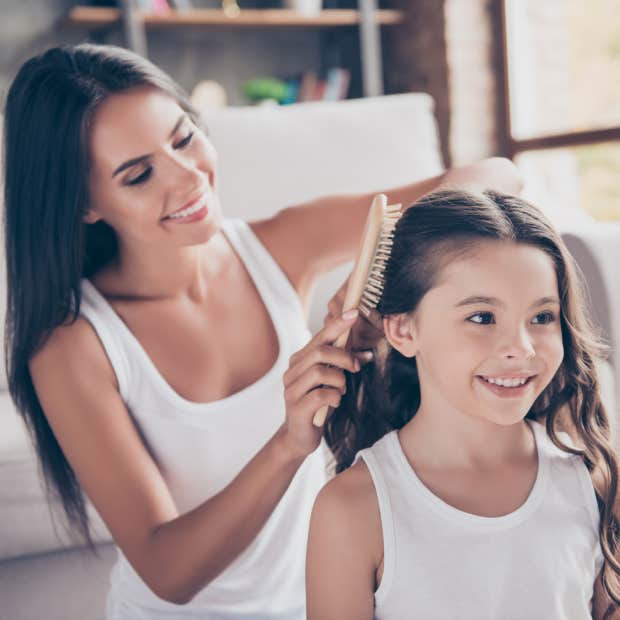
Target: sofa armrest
{"x":596,"y":249}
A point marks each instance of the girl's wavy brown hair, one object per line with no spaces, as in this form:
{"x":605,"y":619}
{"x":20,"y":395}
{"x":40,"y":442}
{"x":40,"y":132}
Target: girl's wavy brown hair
{"x":385,"y":394}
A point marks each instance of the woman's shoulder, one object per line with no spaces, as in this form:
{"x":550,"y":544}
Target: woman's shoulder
{"x":74,"y":346}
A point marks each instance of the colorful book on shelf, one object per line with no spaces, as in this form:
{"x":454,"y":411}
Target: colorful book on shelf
{"x":160,"y":7}
{"x":336,"y":84}
{"x":307,"y":87}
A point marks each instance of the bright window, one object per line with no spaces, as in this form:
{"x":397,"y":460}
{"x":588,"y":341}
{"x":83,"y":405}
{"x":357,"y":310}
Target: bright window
{"x":563,"y":125}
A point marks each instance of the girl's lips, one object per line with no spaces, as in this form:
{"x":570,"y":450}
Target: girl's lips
{"x":507,"y":392}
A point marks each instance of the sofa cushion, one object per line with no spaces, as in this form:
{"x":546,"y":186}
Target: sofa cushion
{"x":25,"y":519}
{"x":272,"y":157}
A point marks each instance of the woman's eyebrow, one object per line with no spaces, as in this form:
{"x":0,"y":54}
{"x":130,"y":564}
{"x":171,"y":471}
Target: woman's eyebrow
{"x":494,"y":301}
{"x":138,"y":160}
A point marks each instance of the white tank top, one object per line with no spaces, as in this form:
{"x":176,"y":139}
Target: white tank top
{"x":440,"y":563}
{"x":200,"y":447}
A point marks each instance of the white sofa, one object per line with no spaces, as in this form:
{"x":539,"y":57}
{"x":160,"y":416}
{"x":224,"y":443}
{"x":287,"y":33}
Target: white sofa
{"x":269,"y":158}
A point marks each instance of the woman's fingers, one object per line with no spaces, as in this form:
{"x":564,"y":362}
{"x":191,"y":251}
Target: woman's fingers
{"x":332,"y":329}
{"x":328,"y":334}
{"x":321,"y":355}
{"x":320,"y":350}
{"x":317,"y":399}
{"x":319,"y":376}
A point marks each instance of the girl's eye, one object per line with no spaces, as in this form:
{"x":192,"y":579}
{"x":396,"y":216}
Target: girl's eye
{"x":142,"y":178}
{"x":183,"y":143}
{"x":482,"y":318}
{"x":547,"y":317}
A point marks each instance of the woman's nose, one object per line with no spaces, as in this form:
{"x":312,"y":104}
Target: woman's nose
{"x":185,"y":171}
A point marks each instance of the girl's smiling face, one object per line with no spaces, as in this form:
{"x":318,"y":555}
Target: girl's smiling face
{"x":149,"y":161}
{"x":491,"y":321}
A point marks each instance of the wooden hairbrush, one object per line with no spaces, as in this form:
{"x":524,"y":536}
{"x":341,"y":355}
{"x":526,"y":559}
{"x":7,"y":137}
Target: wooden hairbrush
{"x":366,"y":280}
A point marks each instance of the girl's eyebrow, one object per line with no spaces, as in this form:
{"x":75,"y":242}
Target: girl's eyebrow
{"x":494,"y":301}
{"x":138,"y":160}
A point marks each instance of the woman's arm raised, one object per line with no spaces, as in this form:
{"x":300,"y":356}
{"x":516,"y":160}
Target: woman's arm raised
{"x":312,"y":238}
{"x":176,"y":555}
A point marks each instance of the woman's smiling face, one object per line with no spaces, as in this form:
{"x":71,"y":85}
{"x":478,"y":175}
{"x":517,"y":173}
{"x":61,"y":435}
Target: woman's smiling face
{"x":150,"y":162}
{"x":491,"y":322}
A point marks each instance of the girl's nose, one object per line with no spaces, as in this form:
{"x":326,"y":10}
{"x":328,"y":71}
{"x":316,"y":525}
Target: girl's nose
{"x":519,"y":345}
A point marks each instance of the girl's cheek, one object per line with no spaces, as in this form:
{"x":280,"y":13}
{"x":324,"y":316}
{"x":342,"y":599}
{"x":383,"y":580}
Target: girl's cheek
{"x":552,"y":347}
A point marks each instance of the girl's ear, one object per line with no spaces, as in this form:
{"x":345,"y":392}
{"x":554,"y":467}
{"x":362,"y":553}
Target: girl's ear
{"x":400,"y":333}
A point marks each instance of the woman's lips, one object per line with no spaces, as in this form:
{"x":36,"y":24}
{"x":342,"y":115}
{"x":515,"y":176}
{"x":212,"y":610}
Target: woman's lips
{"x":192,"y":208}
{"x":192,"y":217}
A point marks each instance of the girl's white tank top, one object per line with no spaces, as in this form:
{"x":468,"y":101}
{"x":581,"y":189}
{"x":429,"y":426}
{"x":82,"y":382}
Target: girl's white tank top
{"x":200,"y":447}
{"x":440,"y":563}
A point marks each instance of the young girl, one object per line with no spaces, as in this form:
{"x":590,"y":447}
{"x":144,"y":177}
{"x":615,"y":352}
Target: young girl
{"x":466,"y":500}
{"x":148,"y":336}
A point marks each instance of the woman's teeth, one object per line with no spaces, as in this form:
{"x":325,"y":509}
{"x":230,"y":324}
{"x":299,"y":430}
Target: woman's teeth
{"x":507,"y":382}
{"x":189,"y":211}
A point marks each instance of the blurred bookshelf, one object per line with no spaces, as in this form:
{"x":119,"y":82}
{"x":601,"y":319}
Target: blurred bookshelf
{"x":347,"y":36}
{"x":96,"y":17}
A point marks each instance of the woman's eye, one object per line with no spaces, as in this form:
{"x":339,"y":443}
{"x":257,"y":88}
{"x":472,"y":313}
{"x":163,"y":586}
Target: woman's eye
{"x":183,"y":143}
{"x":147,"y":173}
{"x":482,"y":318}
{"x":546,"y":318}
{"x":142,"y":178}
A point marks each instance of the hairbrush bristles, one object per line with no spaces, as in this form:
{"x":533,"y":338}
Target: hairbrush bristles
{"x":373,"y":289}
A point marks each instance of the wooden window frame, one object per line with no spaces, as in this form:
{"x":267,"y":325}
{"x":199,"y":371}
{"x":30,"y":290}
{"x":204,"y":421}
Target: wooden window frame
{"x":512,"y":146}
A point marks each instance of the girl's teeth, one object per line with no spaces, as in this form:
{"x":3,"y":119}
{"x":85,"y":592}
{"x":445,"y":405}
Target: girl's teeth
{"x":506,"y":382}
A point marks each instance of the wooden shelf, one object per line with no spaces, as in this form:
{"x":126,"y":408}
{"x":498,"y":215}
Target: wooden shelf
{"x":96,"y":17}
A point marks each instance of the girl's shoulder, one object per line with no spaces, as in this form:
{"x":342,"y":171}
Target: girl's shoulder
{"x":353,"y":486}
{"x":345,"y":528}
{"x":348,"y":503}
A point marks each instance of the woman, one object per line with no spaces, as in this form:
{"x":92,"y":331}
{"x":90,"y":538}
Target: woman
{"x":148,"y":337}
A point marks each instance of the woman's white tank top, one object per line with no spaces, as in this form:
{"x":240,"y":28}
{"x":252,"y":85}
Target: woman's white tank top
{"x":200,"y":447}
{"x":440,"y":563}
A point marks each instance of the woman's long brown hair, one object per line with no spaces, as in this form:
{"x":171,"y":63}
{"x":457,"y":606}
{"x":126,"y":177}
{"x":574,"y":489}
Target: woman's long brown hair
{"x":385,"y":394}
{"x":49,"y":111}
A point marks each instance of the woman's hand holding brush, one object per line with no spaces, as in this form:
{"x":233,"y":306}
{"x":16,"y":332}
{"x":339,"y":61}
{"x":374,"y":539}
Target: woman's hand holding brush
{"x":365,"y":332}
{"x":315,"y":379}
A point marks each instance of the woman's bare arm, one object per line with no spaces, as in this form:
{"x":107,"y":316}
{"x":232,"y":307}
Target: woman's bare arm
{"x":345,"y":546}
{"x":310,"y":239}
{"x":176,"y":555}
